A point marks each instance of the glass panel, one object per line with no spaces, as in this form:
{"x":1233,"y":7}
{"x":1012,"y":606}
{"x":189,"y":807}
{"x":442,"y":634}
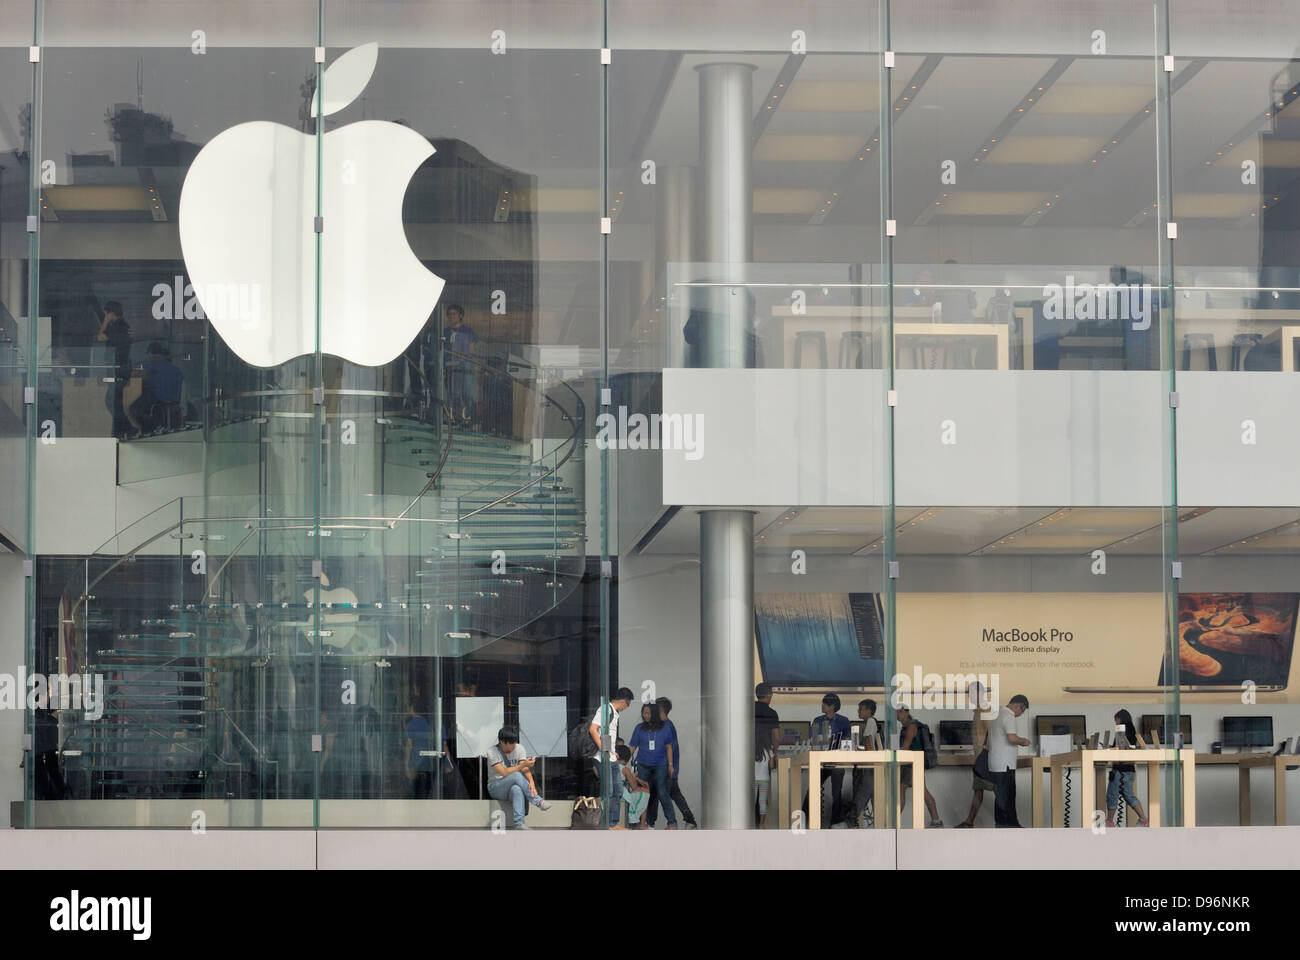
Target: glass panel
{"x":17,"y":370}
{"x":1236,"y":292}
{"x":477,"y":441}
{"x":173,"y":288}
{"x":1029,"y":428}
{"x":744,"y":190}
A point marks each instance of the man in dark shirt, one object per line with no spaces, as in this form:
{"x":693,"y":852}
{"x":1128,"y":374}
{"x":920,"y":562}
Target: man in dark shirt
{"x":115,"y":332}
{"x":458,"y":340}
{"x":162,"y":387}
{"x":826,"y":731}
{"x":767,"y":735}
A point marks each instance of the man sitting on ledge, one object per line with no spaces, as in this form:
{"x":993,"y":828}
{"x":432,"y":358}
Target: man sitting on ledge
{"x":511,"y":776}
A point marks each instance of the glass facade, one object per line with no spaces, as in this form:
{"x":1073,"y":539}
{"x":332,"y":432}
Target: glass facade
{"x":378,"y":375}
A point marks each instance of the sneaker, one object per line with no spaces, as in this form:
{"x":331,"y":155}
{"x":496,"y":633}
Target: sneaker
{"x":692,"y":825}
{"x":935,"y":824}
{"x":523,"y":826}
{"x":1143,"y":823}
{"x":965,"y":825}
{"x":539,"y":803}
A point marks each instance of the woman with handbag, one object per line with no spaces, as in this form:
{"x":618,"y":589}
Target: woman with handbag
{"x":981,"y":777}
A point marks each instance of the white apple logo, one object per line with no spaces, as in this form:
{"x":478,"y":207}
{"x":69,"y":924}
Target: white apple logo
{"x":248,"y":236}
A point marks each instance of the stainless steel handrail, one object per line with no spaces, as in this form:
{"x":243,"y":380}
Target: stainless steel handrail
{"x":340,"y":523}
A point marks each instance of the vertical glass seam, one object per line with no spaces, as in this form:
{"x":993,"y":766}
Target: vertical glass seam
{"x":889,"y":551}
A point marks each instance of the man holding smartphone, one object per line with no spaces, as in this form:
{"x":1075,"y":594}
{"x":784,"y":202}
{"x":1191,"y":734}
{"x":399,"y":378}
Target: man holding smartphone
{"x":1003,"y":741}
{"x":510,"y":776}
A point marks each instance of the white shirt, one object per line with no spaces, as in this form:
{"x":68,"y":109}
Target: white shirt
{"x":1002,"y":754}
{"x":869,"y":729}
{"x":610,"y":731}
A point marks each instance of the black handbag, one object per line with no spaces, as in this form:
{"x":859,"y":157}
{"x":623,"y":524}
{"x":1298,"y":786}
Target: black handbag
{"x":981,"y":766}
{"x":586,"y":814}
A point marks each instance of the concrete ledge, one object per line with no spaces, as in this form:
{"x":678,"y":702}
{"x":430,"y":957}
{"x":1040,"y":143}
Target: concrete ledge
{"x":1133,"y":848}
{"x":282,"y":814}
{"x":158,"y":849}
{"x":1202,"y":848}
{"x":605,"y":849}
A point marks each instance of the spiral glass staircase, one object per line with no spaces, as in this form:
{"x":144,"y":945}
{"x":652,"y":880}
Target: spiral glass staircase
{"x":370,"y":542}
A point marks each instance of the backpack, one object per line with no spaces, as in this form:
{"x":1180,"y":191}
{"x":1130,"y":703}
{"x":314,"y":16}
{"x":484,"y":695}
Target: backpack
{"x":581,"y":746}
{"x":927,"y":745}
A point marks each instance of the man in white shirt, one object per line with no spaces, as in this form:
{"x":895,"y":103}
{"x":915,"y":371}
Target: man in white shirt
{"x":1003,"y":741}
{"x":607,"y":718}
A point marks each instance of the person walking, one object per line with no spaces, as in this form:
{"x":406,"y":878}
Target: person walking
{"x":675,"y":765}
{"x":604,"y":735}
{"x":981,"y":777}
{"x":1003,"y":741}
{"x":1123,"y":775}
{"x":909,"y":738}
{"x":651,"y":744}
{"x":827,"y":730}
{"x":864,"y":780}
{"x":767,"y":737}
{"x":116,"y":332}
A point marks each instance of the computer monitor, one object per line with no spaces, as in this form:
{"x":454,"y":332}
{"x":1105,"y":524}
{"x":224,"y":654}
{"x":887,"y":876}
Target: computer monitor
{"x":1156,"y":722}
{"x":1050,"y":725}
{"x":956,"y":733}
{"x":793,"y":732}
{"x":1248,"y":731}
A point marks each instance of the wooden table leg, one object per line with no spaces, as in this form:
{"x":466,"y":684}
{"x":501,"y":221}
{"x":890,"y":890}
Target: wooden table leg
{"x":783,"y":792}
{"x":1058,"y":795}
{"x":1243,"y":795}
{"x":814,"y":793}
{"x":1153,"y":793}
{"x":1036,"y":795}
{"x":1099,"y":793}
{"x":879,"y":802}
{"x":918,"y":796}
{"x":1087,"y":791}
{"x":1279,"y":791}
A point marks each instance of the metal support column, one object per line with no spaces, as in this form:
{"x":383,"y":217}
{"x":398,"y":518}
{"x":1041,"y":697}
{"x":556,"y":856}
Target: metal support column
{"x":726,"y":536}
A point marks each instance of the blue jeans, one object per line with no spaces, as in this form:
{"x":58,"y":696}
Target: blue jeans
{"x":1121,"y":780}
{"x":515,"y":789}
{"x":460,"y":389}
{"x":613,"y":802}
{"x":657,"y":777}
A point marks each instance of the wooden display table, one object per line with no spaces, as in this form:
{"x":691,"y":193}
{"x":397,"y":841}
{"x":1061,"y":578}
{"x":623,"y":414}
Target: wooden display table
{"x":1246,"y":762}
{"x":1091,"y":783}
{"x":833,"y":322}
{"x":789,"y":781}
